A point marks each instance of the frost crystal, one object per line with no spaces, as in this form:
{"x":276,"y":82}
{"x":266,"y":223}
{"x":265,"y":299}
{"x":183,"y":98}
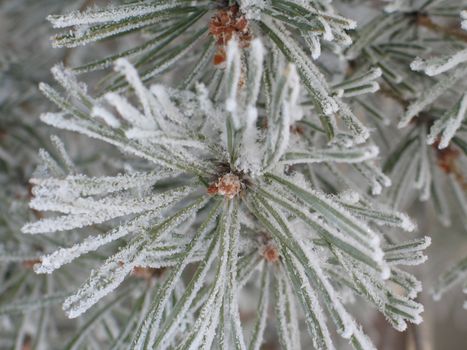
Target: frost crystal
{"x":440,"y":64}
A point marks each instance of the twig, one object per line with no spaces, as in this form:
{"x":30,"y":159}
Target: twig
{"x":427,"y":22}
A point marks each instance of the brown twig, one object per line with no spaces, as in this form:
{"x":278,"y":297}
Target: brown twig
{"x":427,"y":22}
{"x":447,"y":160}
{"x":390,"y":94}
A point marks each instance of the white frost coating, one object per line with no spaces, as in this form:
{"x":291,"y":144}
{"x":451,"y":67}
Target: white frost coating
{"x":158,"y":262}
{"x":210,"y":332}
{"x":385,"y":272}
{"x":407,"y":281}
{"x":315,"y":306}
{"x":423,"y":178}
{"x":428,"y":96}
{"x":376,"y":188}
{"x":363,"y":340}
{"x":83,"y":34}
{"x":413,"y":309}
{"x":87,"y":211}
{"x":293,"y":326}
{"x":315,"y":47}
{"x":55,"y":260}
{"x":233,"y":75}
{"x":198,"y":284}
{"x":407,"y":223}
{"x":464,"y":26}
{"x":231,"y":299}
{"x":252,"y":8}
{"x":413,"y":260}
{"x":293,"y":82}
{"x":64,"y":223}
{"x":49,"y":165}
{"x":374,"y":252}
{"x":255,"y":71}
{"x":60,"y":147}
{"x":152,"y":322}
{"x":439,"y":65}
{"x":454,"y":275}
{"x":359,"y":131}
{"x":342,"y":39}
{"x":333,"y":233}
{"x":337,"y":215}
{"x":408,"y":253}
{"x":374,"y":175}
{"x":361,"y":84}
{"x":347,"y":324}
{"x":374,"y":73}
{"x":370,"y":89}
{"x":341,"y":22}
{"x":69,"y":82}
{"x":110,"y":14}
{"x":167,"y":106}
{"x":110,"y":206}
{"x":283,"y":137}
{"x":208,"y":315}
{"x":59,"y":121}
{"x":123,"y":66}
{"x":327,"y":35}
{"x":111,"y":274}
{"x":107,"y":116}
{"x":129,"y":112}
{"x":448,"y":124}
{"x":83,"y":185}
{"x":313,"y":79}
{"x":161,"y":138}
{"x":105,"y":279}
{"x":384,"y":217}
{"x":383,"y":296}
{"x":163,"y":253}
{"x":350,"y":155}
{"x":262,"y":311}
{"x":251,"y":159}
{"x":281,"y":119}
{"x":349,"y":197}
{"x":281,"y":306}
{"x":376,"y":290}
